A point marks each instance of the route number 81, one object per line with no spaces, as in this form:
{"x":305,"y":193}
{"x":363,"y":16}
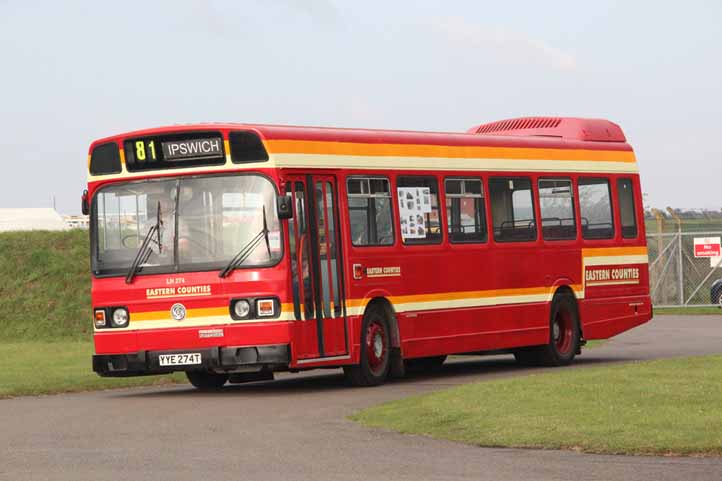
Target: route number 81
{"x":140,"y":150}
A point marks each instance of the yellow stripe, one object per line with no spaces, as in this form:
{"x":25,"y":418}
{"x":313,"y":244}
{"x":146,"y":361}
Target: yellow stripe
{"x":227,"y":146}
{"x":446,"y":299}
{"x":194,"y":313}
{"x":317,"y":161}
{"x":190,"y":314}
{"x":431,"y":301}
{"x":614,"y":251}
{"x":444,"y":151}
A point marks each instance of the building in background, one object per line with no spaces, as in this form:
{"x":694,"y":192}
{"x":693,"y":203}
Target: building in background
{"x":31,"y":219}
{"x":76,"y":221}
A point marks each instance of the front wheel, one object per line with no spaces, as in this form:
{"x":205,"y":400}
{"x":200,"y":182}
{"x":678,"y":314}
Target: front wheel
{"x":375,"y":356}
{"x":206,"y":381}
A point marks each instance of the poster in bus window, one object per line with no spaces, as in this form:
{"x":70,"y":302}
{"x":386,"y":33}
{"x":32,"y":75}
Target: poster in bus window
{"x":414,"y":203}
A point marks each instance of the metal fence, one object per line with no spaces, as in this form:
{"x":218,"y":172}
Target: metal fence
{"x":676,"y":276}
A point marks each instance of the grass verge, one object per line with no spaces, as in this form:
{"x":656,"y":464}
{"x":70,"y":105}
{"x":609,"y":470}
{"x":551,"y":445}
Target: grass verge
{"x":701,"y":310}
{"x":32,"y":368}
{"x":658,"y":407}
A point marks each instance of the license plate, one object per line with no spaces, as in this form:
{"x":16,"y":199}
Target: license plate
{"x":187,"y":359}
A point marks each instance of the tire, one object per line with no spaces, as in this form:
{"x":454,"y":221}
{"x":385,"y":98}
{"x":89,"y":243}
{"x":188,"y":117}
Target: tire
{"x":374,"y":363}
{"x":206,"y":381}
{"x":564,"y":336}
{"x":424,"y":364}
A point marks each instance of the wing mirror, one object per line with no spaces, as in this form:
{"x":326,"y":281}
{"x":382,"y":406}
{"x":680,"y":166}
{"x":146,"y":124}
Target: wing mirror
{"x":284,"y":207}
{"x":84,"y":206}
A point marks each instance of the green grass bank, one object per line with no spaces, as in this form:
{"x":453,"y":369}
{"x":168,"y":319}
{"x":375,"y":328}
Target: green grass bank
{"x":45,"y":288}
{"x":45,"y":321}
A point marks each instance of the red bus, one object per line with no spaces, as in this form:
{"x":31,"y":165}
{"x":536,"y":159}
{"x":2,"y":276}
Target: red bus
{"x":233,"y":251}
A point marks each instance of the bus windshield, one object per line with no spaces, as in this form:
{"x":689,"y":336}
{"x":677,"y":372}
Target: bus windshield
{"x":202,"y":224}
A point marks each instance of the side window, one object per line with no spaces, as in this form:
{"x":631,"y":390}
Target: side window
{"x":465,"y":210}
{"x":512,"y":209}
{"x":419,"y":210}
{"x":369,"y":206}
{"x":626,"y":208}
{"x":595,"y":209}
{"x":556,"y":203}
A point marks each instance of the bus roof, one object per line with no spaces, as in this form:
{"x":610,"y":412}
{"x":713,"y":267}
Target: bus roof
{"x":559,"y":133}
{"x":545,"y":144}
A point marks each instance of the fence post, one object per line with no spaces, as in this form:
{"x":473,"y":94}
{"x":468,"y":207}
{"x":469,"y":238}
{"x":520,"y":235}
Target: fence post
{"x":680,"y":266}
{"x":659,"y":216}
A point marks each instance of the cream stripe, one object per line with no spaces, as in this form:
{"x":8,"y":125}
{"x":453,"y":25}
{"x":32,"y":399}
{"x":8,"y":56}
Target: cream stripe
{"x":324,"y":359}
{"x":447,"y":163}
{"x":612,"y":260}
{"x":472,"y":302}
{"x":323,"y":161}
{"x":227,"y":167}
{"x":463,"y":303}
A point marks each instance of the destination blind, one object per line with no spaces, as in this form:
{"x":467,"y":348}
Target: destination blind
{"x":174,"y":151}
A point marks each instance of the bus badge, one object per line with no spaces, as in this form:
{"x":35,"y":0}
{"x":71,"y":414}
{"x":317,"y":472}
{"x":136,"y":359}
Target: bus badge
{"x":178,"y":311}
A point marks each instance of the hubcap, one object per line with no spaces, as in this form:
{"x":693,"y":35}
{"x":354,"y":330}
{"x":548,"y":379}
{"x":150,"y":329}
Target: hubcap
{"x":376,"y":346}
{"x":562,"y":332}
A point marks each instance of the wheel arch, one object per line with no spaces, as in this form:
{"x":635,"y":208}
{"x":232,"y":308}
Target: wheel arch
{"x":563,"y":289}
{"x":385,"y":304}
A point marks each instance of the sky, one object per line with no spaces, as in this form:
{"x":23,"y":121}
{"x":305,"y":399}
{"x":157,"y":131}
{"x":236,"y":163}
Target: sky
{"x":71,"y":72}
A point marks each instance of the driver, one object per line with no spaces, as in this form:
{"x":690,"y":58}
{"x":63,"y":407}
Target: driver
{"x":191,"y":224}
{"x":165,"y":201}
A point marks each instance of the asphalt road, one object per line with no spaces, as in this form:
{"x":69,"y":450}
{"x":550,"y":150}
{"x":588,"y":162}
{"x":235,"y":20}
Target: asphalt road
{"x":295,"y":428}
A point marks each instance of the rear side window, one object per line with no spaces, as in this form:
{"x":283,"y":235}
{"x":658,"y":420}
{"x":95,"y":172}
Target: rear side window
{"x":465,"y":210}
{"x":512,"y":209}
{"x":595,"y":209}
{"x":419,"y":210}
{"x":557,"y":209}
{"x":369,"y":206}
{"x":626,"y":208}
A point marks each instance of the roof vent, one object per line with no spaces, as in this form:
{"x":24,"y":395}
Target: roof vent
{"x":592,"y":130}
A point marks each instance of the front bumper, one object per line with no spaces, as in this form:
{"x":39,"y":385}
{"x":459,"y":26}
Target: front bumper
{"x":220,"y":359}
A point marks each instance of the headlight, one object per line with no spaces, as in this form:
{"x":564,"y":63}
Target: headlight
{"x":242,"y":309}
{"x":120,"y":317}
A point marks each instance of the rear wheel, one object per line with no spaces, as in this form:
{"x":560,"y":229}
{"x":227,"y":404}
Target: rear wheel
{"x":375,"y":356}
{"x":563,"y":336}
{"x":206,"y":381}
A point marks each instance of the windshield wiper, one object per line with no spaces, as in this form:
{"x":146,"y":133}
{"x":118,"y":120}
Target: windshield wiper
{"x":248,"y":249}
{"x":145,"y":250}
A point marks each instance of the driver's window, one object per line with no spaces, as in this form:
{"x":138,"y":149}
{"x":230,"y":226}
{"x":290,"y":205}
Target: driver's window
{"x":126,"y":213}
